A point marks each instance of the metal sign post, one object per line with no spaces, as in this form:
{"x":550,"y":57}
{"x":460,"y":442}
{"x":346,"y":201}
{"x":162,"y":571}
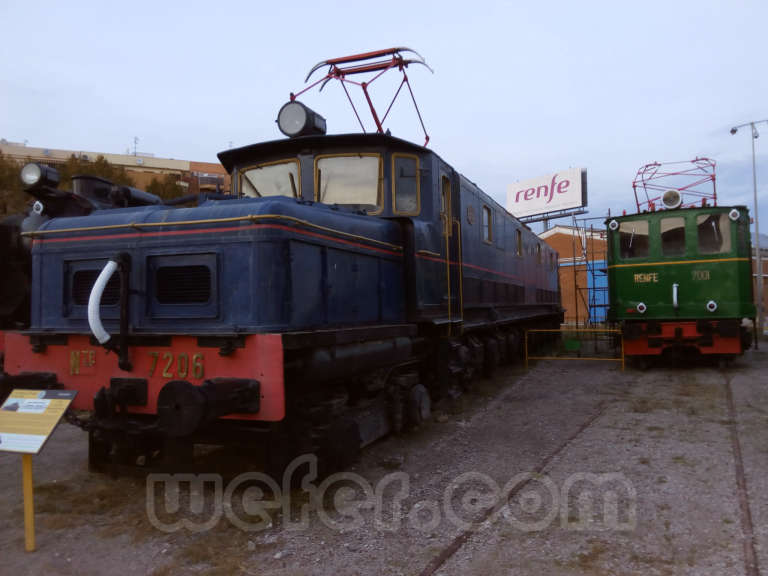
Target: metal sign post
{"x":27,"y":419}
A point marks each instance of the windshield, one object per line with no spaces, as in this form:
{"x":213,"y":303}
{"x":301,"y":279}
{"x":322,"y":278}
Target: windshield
{"x":352,"y":179}
{"x":270,"y":179}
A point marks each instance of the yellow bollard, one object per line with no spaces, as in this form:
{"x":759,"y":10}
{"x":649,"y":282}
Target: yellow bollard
{"x":29,"y":502}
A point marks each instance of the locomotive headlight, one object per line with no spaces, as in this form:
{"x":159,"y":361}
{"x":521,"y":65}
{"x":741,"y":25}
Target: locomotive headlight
{"x":295,"y":119}
{"x":33,"y":175}
{"x":711,"y":305}
{"x":734,"y":214}
{"x":641,"y":307}
{"x":613,"y":225}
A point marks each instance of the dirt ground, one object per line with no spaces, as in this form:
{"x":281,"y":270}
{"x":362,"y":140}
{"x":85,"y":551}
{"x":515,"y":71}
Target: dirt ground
{"x":569,"y":468}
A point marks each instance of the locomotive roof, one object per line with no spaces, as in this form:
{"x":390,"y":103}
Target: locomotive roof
{"x":671,"y":212}
{"x":230,"y":158}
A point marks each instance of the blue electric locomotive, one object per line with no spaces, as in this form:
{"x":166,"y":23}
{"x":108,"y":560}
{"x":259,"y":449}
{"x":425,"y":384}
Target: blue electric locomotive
{"x":346,"y":283}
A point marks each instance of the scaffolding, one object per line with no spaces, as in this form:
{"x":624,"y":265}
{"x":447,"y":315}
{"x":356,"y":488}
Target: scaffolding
{"x":594,"y":295}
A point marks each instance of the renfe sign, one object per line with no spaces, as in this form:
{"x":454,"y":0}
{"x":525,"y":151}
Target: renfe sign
{"x":559,"y":191}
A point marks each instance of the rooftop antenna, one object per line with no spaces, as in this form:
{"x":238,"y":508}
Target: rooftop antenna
{"x":135,"y":145}
{"x":375,"y":63}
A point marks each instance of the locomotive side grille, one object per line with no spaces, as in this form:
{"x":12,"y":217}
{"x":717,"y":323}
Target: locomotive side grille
{"x":183,"y":284}
{"x":82,"y":284}
{"x":546,"y":296}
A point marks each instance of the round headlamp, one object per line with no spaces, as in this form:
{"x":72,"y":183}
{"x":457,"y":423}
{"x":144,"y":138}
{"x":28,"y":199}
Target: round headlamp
{"x":33,"y":175}
{"x":295,"y":119}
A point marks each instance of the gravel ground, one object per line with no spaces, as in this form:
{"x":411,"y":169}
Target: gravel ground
{"x":570,"y":468}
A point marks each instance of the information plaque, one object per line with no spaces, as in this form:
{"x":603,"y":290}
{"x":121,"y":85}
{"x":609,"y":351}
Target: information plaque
{"x":28,"y":417}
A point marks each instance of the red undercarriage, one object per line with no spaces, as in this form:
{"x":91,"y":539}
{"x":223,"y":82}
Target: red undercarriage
{"x":80,"y":365}
{"x":641,"y":339}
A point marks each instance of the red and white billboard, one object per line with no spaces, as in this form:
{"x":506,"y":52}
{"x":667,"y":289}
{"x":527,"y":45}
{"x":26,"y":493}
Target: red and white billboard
{"x":552,"y":193}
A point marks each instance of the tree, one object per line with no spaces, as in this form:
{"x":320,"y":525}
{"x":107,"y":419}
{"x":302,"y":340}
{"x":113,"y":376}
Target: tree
{"x":166,"y":188}
{"x":100,"y":167}
{"x":12,"y":197}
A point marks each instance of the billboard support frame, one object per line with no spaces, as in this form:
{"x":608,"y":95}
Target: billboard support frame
{"x":552,"y":215}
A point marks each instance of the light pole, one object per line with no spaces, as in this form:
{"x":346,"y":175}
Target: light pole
{"x":758,"y":261}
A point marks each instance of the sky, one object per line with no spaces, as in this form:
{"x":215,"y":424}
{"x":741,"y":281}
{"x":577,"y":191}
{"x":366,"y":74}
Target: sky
{"x":519,"y":89}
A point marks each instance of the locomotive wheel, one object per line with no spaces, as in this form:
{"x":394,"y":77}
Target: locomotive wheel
{"x":340,"y":447}
{"x":491,"y":357}
{"x":514,"y":346}
{"x":419,"y":406}
{"x":396,"y":409}
{"x":725,"y":362}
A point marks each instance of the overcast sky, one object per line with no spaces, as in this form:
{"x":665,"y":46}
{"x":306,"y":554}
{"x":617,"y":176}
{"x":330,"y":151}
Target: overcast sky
{"x":519,"y":89}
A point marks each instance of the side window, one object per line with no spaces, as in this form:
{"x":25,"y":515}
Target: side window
{"x":487,"y":224}
{"x":714,"y":233}
{"x":405,"y":178}
{"x":673,"y":236}
{"x":538,"y":253}
{"x":519,"y":242}
{"x":633,"y":239}
{"x":551,"y":260}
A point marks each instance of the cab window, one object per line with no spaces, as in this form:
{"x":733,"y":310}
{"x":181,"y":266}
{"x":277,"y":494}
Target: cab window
{"x":633,"y":239}
{"x":405,"y":176}
{"x":714,"y":233}
{"x":673,"y":236}
{"x":351,"y":179}
{"x":271,"y":179}
{"x":519,"y":242}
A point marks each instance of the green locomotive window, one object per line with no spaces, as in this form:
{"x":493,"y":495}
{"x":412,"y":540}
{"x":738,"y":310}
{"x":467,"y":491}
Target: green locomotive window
{"x":353,"y":179}
{"x":271,"y":179}
{"x":714,"y":231}
{"x":405,"y":175}
{"x":673,"y":236}
{"x":633,"y":239}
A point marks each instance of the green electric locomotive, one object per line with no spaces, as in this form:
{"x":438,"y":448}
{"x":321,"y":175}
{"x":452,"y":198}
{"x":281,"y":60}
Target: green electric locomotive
{"x":681,"y":277}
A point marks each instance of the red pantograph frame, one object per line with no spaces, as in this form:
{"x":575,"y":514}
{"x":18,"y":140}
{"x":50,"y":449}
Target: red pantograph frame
{"x":695,"y":183}
{"x":383,"y":60}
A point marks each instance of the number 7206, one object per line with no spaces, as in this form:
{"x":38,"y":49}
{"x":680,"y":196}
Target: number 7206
{"x":177,"y":366}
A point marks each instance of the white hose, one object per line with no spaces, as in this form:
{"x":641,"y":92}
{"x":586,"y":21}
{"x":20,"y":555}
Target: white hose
{"x":94,"y":302}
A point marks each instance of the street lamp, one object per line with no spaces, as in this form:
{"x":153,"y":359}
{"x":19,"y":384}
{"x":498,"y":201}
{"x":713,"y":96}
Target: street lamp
{"x":758,"y":261}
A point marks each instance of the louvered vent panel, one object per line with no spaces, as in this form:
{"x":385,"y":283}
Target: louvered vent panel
{"x":82,"y":284}
{"x":183,"y":284}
